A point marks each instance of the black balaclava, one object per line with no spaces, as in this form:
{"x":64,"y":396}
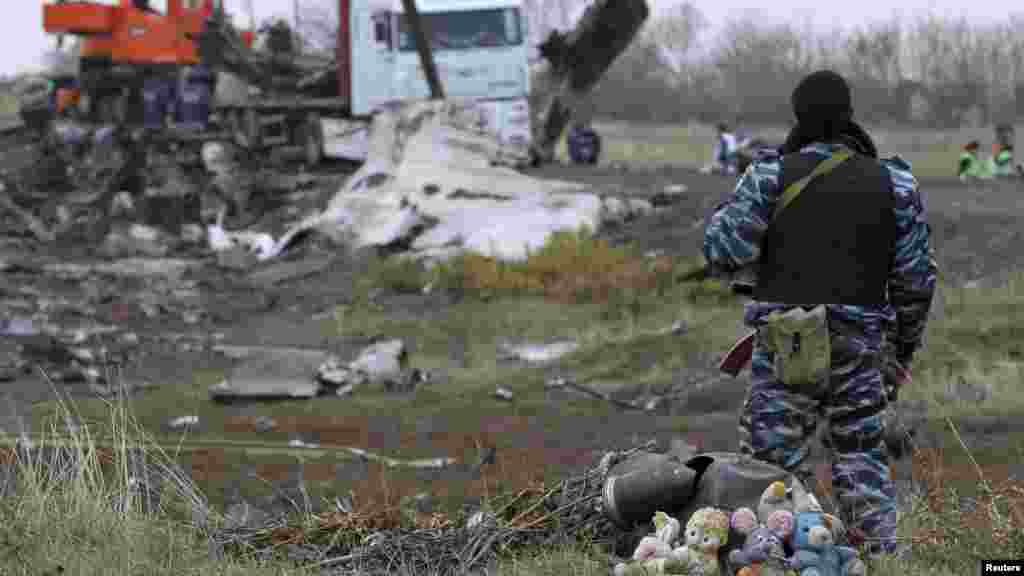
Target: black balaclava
{"x":822,"y":105}
{"x":824,"y":113}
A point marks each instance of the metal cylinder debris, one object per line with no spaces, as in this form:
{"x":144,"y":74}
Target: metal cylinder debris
{"x":639,"y":487}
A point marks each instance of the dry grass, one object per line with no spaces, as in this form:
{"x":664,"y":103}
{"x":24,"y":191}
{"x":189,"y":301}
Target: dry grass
{"x":571,"y":267}
{"x":102,"y":501}
{"x":74,"y":510}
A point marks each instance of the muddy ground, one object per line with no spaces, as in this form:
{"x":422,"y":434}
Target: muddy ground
{"x":975,"y":232}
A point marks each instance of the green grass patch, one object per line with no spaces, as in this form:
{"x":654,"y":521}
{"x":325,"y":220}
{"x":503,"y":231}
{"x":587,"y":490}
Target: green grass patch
{"x":932,"y":153}
{"x":974,"y":336}
{"x":8,"y":105}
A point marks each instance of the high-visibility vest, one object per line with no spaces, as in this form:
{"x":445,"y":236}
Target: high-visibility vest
{"x":1003,"y":163}
{"x":970,"y":165}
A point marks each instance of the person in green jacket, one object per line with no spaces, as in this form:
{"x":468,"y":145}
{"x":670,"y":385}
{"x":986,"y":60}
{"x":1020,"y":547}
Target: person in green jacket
{"x":970,"y":164}
{"x":1002,"y":160}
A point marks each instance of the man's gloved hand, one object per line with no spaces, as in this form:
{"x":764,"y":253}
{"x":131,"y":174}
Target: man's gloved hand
{"x":895,"y":375}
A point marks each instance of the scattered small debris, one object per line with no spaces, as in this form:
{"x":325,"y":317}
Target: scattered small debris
{"x":652,"y":404}
{"x":424,"y":503}
{"x":480,"y":520}
{"x":538,"y":353}
{"x":669,"y":195}
{"x":561,"y":382}
{"x":418,"y":377}
{"x":271,"y":373}
{"x":300,"y":443}
{"x":183,"y":422}
{"x":136,"y":240}
{"x":17,"y":327}
{"x":264,"y":424}
{"x":84,"y":355}
{"x":434,"y":463}
{"x":122,"y":206}
{"x":962,"y":390}
{"x":677,"y":328}
{"x":382,"y":361}
{"x":192,"y":233}
{"x":503,"y":394}
{"x":338,"y":375}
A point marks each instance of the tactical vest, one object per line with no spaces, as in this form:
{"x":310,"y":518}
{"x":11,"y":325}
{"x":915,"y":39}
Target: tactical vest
{"x":834,"y":243}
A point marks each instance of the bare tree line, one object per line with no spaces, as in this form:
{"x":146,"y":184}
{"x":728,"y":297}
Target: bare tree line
{"x":933,"y":71}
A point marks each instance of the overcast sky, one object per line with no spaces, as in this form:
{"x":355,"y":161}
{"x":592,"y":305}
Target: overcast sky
{"x":25,"y":41}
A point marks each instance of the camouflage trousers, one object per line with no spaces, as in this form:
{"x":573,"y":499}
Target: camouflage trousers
{"x":778,"y":424}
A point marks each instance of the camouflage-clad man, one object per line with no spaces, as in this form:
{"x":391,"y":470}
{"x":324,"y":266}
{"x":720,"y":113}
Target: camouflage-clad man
{"x":854,"y":247}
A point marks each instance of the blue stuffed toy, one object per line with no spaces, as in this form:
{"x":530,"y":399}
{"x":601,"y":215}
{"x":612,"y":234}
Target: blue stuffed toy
{"x":814,"y":541}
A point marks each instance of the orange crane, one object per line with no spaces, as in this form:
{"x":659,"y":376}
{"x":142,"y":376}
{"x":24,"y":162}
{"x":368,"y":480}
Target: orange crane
{"x":126,"y":43}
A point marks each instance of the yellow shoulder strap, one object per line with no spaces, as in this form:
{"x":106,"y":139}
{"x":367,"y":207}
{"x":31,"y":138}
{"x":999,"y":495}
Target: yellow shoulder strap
{"x":794,"y":189}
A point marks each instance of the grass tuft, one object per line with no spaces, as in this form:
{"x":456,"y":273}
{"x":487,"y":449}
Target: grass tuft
{"x":571,"y":267}
{"x":103,"y":499}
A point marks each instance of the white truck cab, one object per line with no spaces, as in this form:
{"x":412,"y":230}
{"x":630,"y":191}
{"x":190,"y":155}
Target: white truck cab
{"x":479,"y":48}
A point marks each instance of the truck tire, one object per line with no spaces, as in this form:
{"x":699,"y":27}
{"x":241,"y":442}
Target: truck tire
{"x":311,"y":138}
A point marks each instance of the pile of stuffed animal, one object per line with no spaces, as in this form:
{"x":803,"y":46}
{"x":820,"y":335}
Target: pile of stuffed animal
{"x":789,"y":535}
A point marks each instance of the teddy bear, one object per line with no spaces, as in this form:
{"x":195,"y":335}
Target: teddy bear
{"x":814,"y":540}
{"x":653,"y":551}
{"x":659,"y":545}
{"x":763,"y":552}
{"x":706,"y":532}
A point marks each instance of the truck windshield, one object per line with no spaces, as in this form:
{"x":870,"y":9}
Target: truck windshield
{"x":464,"y":30}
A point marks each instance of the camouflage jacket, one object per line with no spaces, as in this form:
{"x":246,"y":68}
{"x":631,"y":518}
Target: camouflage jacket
{"x":734,"y":231}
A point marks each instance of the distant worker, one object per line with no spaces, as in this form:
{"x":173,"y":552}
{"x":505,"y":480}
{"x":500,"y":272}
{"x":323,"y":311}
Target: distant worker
{"x":584,"y":144}
{"x":65,"y":96}
{"x":1002,"y":160}
{"x":845,"y":280}
{"x":970,"y":165}
{"x":1002,"y":164}
{"x":725,"y":150}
